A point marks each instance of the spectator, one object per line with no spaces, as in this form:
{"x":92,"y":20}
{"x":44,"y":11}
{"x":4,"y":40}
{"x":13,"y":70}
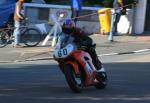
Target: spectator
{"x":17,"y":18}
{"x":118,"y":6}
{"x":76,"y":6}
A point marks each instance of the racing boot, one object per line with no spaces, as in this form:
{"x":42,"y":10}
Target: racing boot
{"x":101,"y":73}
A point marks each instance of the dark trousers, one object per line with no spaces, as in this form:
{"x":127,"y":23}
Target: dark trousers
{"x":117,"y":18}
{"x":75,"y":14}
{"x":97,"y":63}
{"x":90,"y":48}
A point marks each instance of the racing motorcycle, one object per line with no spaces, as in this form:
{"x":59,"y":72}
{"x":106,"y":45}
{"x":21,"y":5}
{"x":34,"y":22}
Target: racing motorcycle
{"x":76,"y":64}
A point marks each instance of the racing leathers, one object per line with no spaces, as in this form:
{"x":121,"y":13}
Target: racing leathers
{"x":81,"y":39}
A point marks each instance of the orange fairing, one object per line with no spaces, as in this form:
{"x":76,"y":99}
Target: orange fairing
{"x":75,"y":66}
{"x":79,"y":56}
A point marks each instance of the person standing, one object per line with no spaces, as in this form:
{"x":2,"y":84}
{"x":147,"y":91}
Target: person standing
{"x":17,"y":19}
{"x":118,"y":6}
{"x":76,"y":6}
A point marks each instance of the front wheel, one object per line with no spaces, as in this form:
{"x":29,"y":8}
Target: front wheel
{"x":31,"y":37}
{"x":74,"y":80}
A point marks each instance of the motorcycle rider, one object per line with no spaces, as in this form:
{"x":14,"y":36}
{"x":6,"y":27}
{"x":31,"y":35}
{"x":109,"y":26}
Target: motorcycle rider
{"x":82,"y":40}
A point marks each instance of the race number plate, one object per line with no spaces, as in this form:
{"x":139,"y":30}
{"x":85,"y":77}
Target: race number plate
{"x":63,"y":52}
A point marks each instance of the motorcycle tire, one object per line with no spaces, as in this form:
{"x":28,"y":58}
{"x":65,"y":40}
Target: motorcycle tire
{"x":74,"y":81}
{"x":102,"y":80}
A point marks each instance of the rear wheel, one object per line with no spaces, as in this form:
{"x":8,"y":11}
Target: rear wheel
{"x":74,"y":80}
{"x":4,"y":38}
{"x":31,"y":37}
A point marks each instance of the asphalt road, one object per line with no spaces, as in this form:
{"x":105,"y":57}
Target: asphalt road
{"x":42,"y":82}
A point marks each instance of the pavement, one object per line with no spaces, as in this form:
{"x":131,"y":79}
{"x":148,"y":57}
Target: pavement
{"x":121,"y":45}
